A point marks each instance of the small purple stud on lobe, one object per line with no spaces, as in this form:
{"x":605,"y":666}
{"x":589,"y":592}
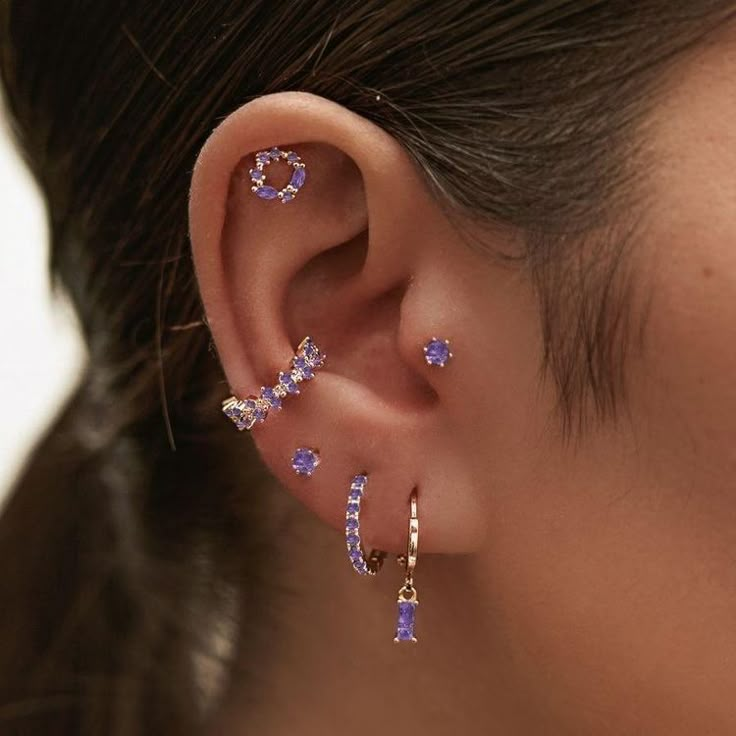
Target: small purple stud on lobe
{"x":305,"y":461}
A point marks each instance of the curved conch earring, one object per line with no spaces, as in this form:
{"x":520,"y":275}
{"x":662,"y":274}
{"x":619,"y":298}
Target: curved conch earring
{"x":246,"y":413}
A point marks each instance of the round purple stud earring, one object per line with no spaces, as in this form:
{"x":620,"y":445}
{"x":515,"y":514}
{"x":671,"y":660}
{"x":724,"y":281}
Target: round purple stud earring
{"x":258,"y":175}
{"x":437,"y":352}
{"x":305,"y":461}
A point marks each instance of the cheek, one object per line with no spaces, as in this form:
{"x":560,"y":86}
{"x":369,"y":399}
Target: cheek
{"x":683,"y":386}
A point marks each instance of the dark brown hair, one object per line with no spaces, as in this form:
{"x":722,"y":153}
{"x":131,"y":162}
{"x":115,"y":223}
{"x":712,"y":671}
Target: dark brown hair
{"x":119,"y":541}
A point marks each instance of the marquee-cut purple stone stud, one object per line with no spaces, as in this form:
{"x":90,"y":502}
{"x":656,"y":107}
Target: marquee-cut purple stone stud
{"x":298,"y":177}
{"x":267,"y":192}
{"x":305,"y":461}
{"x":437,"y":352}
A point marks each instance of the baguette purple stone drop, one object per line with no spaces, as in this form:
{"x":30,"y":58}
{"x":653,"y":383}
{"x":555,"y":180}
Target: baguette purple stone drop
{"x":406,"y":621}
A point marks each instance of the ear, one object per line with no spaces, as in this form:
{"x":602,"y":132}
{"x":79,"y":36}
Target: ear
{"x":365,"y":262}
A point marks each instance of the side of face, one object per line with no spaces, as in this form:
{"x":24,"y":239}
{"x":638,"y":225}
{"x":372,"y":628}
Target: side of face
{"x":612,"y":552}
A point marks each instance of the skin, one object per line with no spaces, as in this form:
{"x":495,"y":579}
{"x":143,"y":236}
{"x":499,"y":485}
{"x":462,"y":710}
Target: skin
{"x":584,"y":587}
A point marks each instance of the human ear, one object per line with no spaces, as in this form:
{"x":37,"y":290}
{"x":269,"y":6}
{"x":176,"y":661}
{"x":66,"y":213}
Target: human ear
{"x":365,"y":261}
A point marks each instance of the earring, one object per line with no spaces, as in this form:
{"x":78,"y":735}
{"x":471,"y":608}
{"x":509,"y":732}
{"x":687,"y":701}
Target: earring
{"x":258,"y":175}
{"x":437,"y":352}
{"x":305,"y":461}
{"x":408,"y":600}
{"x":362,"y":565}
{"x":246,"y":413}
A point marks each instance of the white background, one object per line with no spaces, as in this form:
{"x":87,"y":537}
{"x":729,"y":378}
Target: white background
{"x":41,"y":353}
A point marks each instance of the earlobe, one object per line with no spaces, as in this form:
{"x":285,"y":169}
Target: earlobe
{"x":338,"y":261}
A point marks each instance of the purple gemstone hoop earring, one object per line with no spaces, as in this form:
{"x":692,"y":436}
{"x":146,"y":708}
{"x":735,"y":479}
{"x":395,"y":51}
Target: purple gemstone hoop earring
{"x":361,"y":564}
{"x":258,"y":175}
{"x":408,"y":600}
{"x":246,"y":413}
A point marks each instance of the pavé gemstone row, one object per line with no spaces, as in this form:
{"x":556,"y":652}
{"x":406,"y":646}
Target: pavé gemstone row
{"x":352,"y":526}
{"x":258,"y":175}
{"x":246,"y":413}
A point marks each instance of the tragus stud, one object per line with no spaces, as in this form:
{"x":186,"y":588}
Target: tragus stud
{"x":437,"y":352}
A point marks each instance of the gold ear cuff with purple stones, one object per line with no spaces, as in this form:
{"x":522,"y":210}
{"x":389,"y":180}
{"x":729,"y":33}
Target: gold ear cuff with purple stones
{"x":246,"y":413}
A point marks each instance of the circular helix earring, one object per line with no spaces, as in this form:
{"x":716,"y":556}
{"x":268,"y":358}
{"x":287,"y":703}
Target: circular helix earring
{"x":363,"y":565}
{"x":408,"y":600}
{"x":258,"y":175}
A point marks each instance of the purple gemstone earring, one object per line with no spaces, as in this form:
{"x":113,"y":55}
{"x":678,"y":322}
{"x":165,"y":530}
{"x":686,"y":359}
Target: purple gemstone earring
{"x":437,"y":352}
{"x":258,"y":175}
{"x":305,"y":461}
{"x":361,"y":564}
{"x":408,"y":600}
{"x":246,"y":413}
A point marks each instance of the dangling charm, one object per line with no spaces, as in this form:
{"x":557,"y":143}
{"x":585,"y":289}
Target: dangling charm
{"x":408,"y":600}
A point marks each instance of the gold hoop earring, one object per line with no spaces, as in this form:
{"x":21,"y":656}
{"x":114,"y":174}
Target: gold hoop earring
{"x":408,"y":600}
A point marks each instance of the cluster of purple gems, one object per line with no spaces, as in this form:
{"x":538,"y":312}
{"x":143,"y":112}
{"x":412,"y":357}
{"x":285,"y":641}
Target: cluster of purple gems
{"x":258,"y":175}
{"x":246,"y":413}
{"x":352,"y":526}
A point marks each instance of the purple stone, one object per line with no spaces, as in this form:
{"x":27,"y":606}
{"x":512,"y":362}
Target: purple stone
{"x":288,"y":382}
{"x":437,"y":352}
{"x":298,"y":178}
{"x":267,"y":192}
{"x":406,"y":620}
{"x":407,"y":611}
{"x":360,"y":567}
{"x":351,"y":524}
{"x":301,"y":364}
{"x":353,"y":508}
{"x":274,"y":153}
{"x":355,"y":555}
{"x":256,"y":174}
{"x":263,"y":157}
{"x":353,"y":540}
{"x":292,"y":156}
{"x":310,"y":351}
{"x":287,"y":197}
{"x":305,"y":461}
{"x":268,"y":394}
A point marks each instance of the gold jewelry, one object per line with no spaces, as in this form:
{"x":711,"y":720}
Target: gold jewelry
{"x":408,"y":600}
